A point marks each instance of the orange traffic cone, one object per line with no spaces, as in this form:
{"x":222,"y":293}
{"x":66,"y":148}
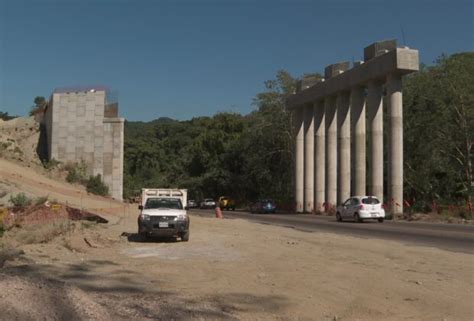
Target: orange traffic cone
{"x":219,"y":212}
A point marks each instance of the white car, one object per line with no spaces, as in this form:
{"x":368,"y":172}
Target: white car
{"x":359,"y":208}
{"x":208,"y":203}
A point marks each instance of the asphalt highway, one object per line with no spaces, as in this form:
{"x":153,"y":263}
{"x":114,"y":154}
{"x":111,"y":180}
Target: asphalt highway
{"x":451,"y":237}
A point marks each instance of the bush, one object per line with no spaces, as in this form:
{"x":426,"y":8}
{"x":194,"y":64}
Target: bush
{"x":50,"y":164}
{"x":17,"y":150}
{"x":77,"y":173}
{"x":95,"y":186}
{"x":20,"y":200}
{"x":41,"y":200}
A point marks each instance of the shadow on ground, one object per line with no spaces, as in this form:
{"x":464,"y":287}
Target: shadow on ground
{"x":127,"y":294}
{"x":137,"y":238}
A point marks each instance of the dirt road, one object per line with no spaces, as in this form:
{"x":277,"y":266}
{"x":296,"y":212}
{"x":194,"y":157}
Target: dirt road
{"x":229,"y":270}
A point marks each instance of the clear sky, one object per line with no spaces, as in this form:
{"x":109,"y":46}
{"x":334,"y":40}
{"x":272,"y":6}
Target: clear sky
{"x":187,"y":58}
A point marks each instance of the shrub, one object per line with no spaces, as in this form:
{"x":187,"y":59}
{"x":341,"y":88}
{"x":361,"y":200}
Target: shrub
{"x":95,"y":185}
{"x":17,"y":150}
{"x":50,"y":164}
{"x":4,"y":146}
{"x":465,"y":213}
{"x":77,"y":173}
{"x":20,"y":200}
{"x":41,"y":200}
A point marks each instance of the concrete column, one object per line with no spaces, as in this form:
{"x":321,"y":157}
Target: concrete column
{"x":299,"y":160}
{"x":375,"y":118}
{"x":308,"y":159}
{"x":358,"y":123}
{"x":331,"y":151}
{"x":319,"y":157}
{"x":395,"y":100}
{"x":343,"y":147}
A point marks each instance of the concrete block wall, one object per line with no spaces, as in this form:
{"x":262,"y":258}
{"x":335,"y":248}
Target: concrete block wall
{"x":77,"y":130}
{"x":113,"y":154}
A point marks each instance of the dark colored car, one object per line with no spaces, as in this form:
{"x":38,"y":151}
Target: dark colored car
{"x":263,"y":206}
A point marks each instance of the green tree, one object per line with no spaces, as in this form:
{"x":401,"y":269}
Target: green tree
{"x":40,"y":104}
{"x":5,"y":116}
{"x":439,"y":120}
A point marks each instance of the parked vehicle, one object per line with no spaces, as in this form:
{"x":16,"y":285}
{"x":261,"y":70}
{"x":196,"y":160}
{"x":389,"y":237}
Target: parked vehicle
{"x":226,"y":203}
{"x":208,"y":203}
{"x":263,"y":206}
{"x":192,"y":204}
{"x":162,"y":213}
{"x":359,"y":208}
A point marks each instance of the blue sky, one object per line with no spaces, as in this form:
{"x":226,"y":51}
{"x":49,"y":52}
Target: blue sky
{"x":187,"y":58}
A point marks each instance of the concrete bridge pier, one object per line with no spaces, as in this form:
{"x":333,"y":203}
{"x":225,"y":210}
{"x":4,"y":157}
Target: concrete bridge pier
{"x":325,"y":136}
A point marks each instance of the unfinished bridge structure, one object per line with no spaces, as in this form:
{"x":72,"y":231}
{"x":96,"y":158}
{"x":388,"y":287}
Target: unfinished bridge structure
{"x":336,"y":117}
{"x":82,"y":125}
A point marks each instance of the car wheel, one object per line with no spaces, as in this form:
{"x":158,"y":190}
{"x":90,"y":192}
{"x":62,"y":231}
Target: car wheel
{"x":233,"y":208}
{"x":357,"y":218}
{"x":380,"y":220}
{"x":185,"y":236}
{"x":338,"y":217}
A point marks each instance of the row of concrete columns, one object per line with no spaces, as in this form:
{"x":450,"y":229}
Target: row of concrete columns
{"x":323,"y":147}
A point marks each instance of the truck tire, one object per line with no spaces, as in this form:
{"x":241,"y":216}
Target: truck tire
{"x":142,"y":236}
{"x":185,"y":236}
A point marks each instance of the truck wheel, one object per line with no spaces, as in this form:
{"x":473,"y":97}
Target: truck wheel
{"x":185,"y":236}
{"x":142,"y":236}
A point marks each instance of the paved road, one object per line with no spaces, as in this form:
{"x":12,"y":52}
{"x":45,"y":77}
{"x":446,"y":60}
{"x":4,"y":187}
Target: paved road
{"x":452,"y":237}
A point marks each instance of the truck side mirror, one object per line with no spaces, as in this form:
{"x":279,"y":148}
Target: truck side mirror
{"x":140,"y":207}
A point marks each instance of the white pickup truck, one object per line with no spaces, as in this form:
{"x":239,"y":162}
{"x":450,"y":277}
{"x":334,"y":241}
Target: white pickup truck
{"x":163,"y":213}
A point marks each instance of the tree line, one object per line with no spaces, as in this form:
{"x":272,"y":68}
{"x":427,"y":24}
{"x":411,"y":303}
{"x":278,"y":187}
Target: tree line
{"x":251,"y":156}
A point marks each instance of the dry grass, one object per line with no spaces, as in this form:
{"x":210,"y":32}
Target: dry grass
{"x":8,"y":253}
{"x":41,"y":233}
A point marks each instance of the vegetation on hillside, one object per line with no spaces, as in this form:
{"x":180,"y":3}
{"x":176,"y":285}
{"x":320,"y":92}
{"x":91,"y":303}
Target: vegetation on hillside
{"x":251,"y":156}
{"x":6,"y":116}
{"x":439,"y":129}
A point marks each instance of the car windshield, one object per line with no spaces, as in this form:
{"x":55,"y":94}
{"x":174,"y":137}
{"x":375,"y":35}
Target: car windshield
{"x":370,"y":200}
{"x":208,"y":200}
{"x":172,"y":203}
{"x":267,"y":201}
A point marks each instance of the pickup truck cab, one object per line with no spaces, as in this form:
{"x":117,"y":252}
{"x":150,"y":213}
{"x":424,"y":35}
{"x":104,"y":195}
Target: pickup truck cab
{"x":162,"y":214}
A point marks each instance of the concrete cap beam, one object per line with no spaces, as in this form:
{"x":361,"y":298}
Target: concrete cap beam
{"x":399,"y":61}
{"x":379,"y":48}
{"x":336,"y":69}
{"x":306,"y":82}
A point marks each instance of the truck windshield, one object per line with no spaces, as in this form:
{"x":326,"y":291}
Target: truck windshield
{"x":173,"y":203}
